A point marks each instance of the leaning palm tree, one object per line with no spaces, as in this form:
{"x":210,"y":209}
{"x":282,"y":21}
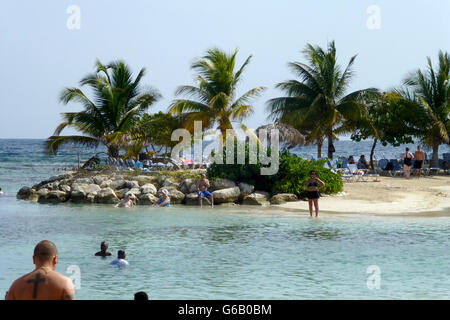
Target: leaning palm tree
{"x":427,"y":96}
{"x":118,"y":100}
{"x":214,"y":95}
{"x":318,"y":103}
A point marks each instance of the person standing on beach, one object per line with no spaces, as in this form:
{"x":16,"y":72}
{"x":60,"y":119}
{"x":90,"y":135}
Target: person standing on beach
{"x":202,"y":190}
{"x":313,"y":185}
{"x":419,"y":155}
{"x":407,"y":158}
{"x":44,"y":283}
{"x":103,"y":252}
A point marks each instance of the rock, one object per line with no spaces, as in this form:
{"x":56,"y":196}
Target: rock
{"x":146,"y":199}
{"x":282,"y":198}
{"x":117,"y":184}
{"x":222,"y":184}
{"x":107,"y":195}
{"x":53,"y":196}
{"x":121,"y":193}
{"x":175,"y":195}
{"x":188,"y":186}
{"x":134,"y":192}
{"x":106,"y":184}
{"x":65,"y":188}
{"x":83,"y":181}
{"x":143,"y":180}
{"x":99,"y":179}
{"x":169,"y":183}
{"x":149,"y":188}
{"x":24,"y":193}
{"x":93,"y":189}
{"x":43,"y":192}
{"x":226,"y":195}
{"x":258,"y":198}
{"x":132,"y":184}
{"x":191,"y":198}
{"x":79,"y":192}
{"x":246,"y":189}
{"x":90,"y":198}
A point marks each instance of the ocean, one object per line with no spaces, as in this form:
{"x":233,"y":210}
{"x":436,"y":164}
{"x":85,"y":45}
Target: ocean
{"x":225,"y":253}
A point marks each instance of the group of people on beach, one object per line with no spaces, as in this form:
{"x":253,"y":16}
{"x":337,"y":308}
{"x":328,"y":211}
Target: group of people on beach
{"x":164,"y":197}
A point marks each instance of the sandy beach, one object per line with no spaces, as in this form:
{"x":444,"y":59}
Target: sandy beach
{"x":392,"y":195}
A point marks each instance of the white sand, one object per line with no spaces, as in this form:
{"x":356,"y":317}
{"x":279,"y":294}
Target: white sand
{"x":389,"y":196}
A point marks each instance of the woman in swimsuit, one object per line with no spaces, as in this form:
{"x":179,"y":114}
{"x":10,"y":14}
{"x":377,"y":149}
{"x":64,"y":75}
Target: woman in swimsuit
{"x":164,"y":201}
{"x":313,"y":185}
{"x":407,"y":162}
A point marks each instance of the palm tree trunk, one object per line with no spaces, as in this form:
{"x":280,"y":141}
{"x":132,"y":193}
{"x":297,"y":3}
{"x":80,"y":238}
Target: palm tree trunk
{"x":330,"y":143}
{"x":113,"y":151}
{"x":435,"y":157}
{"x":372,"y":151}
{"x":319,"y":148}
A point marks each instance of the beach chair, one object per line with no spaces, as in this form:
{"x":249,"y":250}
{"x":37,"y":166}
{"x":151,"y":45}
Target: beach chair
{"x":358,"y":174}
{"x":397,"y":168}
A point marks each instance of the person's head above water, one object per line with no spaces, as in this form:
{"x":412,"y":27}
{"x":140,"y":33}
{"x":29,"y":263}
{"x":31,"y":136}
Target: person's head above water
{"x":45,"y":253}
{"x":104,"y":246}
{"x":121,"y":254}
{"x":140,"y":296}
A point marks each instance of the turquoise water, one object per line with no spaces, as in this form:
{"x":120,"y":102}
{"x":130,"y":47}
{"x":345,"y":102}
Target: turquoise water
{"x":228,"y":253}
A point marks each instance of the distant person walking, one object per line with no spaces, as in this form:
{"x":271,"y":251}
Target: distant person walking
{"x":313,"y":185}
{"x":44,"y":283}
{"x":103,"y":252}
{"x":407,"y":158}
{"x":419,"y":155}
{"x":120,"y":260}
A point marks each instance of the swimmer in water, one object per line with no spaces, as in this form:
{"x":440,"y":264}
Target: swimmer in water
{"x":1,"y":192}
{"x":164,"y":200}
{"x":120,"y":260}
{"x":126,"y":202}
{"x":103,"y":252}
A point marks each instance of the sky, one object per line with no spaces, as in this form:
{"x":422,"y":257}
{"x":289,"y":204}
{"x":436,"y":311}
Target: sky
{"x":40,"y":54}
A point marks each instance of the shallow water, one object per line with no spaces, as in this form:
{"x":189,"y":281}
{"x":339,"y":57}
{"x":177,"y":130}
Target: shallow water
{"x":228,"y":253}
{"x":187,"y":253}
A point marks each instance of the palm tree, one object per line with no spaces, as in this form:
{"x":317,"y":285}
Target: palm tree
{"x":214,"y":95}
{"x":317,"y":103}
{"x":427,"y":96}
{"x":117,"y":102}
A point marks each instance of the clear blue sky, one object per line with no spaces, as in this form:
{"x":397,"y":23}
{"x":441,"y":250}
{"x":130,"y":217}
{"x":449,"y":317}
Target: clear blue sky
{"x":39,"y":55}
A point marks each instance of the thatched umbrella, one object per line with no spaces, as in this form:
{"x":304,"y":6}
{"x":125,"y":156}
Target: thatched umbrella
{"x":286,"y":133}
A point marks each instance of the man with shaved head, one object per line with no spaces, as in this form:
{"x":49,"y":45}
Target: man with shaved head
{"x":44,"y":283}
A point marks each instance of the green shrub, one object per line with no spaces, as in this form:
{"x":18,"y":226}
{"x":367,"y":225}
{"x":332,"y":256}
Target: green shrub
{"x":294,"y":172}
{"x":290,"y":178}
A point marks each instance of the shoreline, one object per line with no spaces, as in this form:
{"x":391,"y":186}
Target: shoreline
{"x":390,"y":196}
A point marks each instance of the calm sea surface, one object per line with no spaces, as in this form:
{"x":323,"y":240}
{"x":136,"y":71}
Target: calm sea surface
{"x":228,"y":253}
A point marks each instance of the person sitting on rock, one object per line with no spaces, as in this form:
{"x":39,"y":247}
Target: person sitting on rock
{"x":126,"y":202}
{"x":103,"y":248}
{"x":164,"y":200}
{"x":202,"y":190}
